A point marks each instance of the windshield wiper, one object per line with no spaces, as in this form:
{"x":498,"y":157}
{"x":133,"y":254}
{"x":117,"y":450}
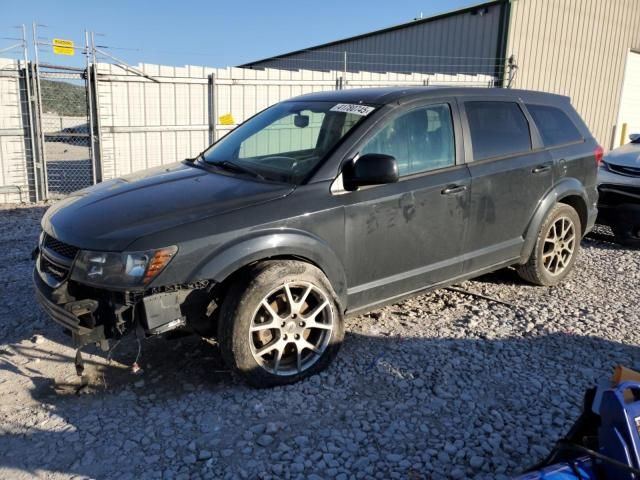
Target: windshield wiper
{"x":234,"y":167}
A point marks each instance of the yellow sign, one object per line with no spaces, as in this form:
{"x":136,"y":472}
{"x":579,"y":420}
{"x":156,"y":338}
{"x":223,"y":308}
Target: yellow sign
{"x":63,"y":47}
{"x":226,"y":119}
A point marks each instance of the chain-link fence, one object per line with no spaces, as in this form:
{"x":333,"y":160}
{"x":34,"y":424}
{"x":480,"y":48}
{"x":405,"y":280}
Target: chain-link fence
{"x":446,"y":70}
{"x":18,"y":169}
{"x":65,"y":129}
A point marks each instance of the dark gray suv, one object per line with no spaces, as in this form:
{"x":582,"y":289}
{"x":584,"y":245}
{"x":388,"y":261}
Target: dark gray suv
{"x":322,"y":206}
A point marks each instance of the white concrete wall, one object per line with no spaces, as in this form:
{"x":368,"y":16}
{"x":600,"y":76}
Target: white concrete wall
{"x":13,"y":163}
{"x":145,"y":123}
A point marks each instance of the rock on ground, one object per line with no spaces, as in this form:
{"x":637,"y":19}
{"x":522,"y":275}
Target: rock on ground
{"x":444,"y":385}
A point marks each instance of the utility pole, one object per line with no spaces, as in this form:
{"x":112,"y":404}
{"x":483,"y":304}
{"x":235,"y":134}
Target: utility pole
{"x":30,"y":115}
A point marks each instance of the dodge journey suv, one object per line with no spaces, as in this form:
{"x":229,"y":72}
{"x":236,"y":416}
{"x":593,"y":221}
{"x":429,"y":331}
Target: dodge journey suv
{"x":322,"y":206}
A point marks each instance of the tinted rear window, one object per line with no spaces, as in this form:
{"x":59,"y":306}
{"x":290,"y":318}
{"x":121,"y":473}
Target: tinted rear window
{"x":554,"y":125}
{"x":497,"y":129}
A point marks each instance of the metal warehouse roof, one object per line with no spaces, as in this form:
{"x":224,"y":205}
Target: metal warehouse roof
{"x":400,"y":26}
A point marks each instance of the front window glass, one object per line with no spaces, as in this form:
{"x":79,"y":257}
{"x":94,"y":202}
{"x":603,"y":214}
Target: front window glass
{"x":287,"y":141}
{"x":420,"y":140}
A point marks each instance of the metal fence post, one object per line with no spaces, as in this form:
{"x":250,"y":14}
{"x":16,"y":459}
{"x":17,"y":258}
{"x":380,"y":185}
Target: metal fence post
{"x":213,"y":109}
{"x":345,"y":65}
{"x":93,"y":75}
{"x":89,"y":84}
{"x":211,"y":87}
{"x":30,"y":116}
{"x":41,"y":161}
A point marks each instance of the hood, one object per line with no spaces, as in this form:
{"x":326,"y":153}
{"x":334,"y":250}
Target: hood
{"x":626,"y":156}
{"x":111,"y":215}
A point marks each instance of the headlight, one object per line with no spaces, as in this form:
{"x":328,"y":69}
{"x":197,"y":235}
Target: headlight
{"x":121,"y":270}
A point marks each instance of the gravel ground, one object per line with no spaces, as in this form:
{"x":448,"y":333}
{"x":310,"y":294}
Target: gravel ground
{"x":444,"y":385}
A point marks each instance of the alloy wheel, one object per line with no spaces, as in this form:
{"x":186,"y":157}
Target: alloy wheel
{"x":291,"y":328}
{"x":559,"y":245}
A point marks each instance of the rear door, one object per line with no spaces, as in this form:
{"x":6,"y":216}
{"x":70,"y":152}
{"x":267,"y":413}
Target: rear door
{"x":558,"y":127}
{"x":510,"y":174}
{"x":404,"y":236}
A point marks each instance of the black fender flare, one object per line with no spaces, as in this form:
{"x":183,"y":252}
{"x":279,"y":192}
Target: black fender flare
{"x":265,"y":244}
{"x":567,"y":187}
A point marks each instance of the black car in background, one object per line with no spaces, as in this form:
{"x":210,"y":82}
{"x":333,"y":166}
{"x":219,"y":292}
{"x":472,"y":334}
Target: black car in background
{"x":619,"y":188}
{"x":322,"y":206}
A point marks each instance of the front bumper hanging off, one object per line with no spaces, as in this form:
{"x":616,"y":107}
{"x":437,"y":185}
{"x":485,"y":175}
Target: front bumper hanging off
{"x":93,"y":315}
{"x":76,"y":317}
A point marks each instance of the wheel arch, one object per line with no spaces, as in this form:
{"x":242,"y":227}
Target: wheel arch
{"x":569,"y":191}
{"x":232,"y":259}
{"x":579,"y":204}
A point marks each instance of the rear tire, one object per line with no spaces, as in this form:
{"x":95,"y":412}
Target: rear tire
{"x":280,"y":324}
{"x":556,"y":248}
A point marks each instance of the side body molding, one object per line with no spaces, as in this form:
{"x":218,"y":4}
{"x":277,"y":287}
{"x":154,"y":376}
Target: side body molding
{"x":265,"y":244}
{"x":567,"y":187}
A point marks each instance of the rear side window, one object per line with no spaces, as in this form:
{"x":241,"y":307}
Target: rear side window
{"x":497,"y":129}
{"x":555,"y":127}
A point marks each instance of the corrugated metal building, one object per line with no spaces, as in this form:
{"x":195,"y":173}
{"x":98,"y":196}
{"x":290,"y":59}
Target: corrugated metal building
{"x":464,"y":41}
{"x":579,"y":48}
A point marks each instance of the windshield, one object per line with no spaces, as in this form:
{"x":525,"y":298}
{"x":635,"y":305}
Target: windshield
{"x":287,"y":141}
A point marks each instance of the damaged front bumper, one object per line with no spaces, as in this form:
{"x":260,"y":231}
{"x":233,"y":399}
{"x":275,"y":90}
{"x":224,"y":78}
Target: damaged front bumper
{"x":76,"y":317}
{"x":95,"y":316}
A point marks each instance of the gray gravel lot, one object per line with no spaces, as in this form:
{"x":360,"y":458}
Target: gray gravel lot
{"x":444,"y":385}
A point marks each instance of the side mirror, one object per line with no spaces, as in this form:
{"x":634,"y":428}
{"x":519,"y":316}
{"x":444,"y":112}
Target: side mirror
{"x":634,"y":137}
{"x":370,"y":169}
{"x":301,"y":121}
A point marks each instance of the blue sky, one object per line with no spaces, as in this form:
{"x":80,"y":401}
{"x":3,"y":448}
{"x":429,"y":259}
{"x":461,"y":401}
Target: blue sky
{"x":212,"y":33}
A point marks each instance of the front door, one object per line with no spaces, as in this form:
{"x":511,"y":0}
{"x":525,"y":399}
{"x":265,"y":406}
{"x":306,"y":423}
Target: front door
{"x":408,"y":235}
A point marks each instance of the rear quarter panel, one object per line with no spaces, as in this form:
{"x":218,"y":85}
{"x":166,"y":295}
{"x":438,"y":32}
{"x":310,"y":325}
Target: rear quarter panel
{"x":573,"y":161}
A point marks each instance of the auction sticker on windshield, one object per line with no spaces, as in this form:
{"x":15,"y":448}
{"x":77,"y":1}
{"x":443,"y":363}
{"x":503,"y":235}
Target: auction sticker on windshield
{"x":362,"y":110}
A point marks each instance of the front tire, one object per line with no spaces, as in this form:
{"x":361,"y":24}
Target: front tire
{"x":280,"y":324}
{"x":556,"y":248}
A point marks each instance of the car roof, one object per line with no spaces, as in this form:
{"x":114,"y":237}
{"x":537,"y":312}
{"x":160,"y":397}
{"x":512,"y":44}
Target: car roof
{"x":386,"y":95}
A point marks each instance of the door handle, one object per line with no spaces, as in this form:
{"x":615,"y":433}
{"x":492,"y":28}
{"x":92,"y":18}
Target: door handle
{"x":453,"y":189}
{"x":541,"y":169}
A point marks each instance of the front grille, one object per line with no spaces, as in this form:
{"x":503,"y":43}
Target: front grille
{"x":63,"y":249}
{"x":58,"y":272}
{"x":623,"y":170}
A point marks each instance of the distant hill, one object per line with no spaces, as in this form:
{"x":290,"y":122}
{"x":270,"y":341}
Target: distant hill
{"x":63,"y":98}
